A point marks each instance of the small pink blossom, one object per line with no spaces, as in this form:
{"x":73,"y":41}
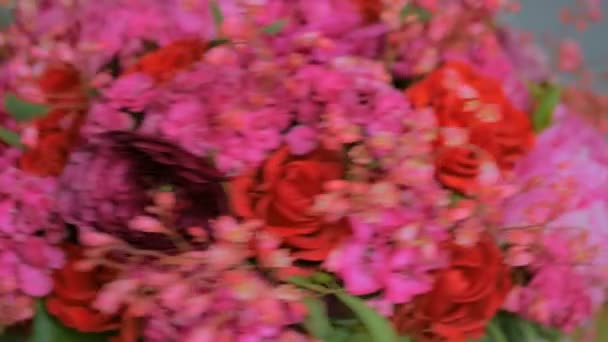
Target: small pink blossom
{"x":570,"y":55}
{"x":132,"y":92}
{"x":28,"y":238}
{"x":301,"y":140}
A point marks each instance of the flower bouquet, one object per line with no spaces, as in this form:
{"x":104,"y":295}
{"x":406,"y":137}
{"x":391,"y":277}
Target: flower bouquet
{"x":296,"y":170}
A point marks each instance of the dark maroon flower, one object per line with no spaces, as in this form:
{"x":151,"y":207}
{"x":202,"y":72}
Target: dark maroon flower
{"x":108,"y":182}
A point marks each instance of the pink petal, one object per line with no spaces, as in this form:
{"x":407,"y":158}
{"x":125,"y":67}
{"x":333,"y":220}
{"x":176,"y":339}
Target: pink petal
{"x":360,"y":282}
{"x":33,"y":281}
{"x":401,"y":289}
{"x":301,"y":140}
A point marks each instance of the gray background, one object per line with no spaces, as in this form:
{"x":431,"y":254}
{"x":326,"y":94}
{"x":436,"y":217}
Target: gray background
{"x":542,"y":17}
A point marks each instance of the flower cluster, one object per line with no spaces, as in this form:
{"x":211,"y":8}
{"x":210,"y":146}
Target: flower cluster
{"x":562,"y":215}
{"x":294,"y":170}
{"x":201,"y":295}
{"x":28,"y":238}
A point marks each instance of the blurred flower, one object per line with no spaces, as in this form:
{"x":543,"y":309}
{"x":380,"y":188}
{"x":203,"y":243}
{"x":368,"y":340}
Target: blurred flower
{"x":108,"y":181}
{"x":74,"y":292}
{"x":592,"y":105}
{"x":527,"y":58}
{"x":282,"y":193}
{"x":565,"y":171}
{"x":28,"y":237}
{"x":454,"y":28}
{"x":103,"y":118}
{"x":163,"y":63}
{"x":496,"y":132}
{"x":560,"y":182}
{"x":465,"y":296}
{"x":131,"y":92}
{"x":301,"y":140}
{"x":209,"y":293}
{"x":58,"y":131}
{"x":570,"y":56}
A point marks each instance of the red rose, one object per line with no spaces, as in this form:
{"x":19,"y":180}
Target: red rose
{"x":281,"y":194}
{"x":74,"y":292}
{"x":463,"y":99}
{"x":465,"y":297}
{"x":162,"y":64}
{"x":58,"y":131}
{"x":59,"y":78}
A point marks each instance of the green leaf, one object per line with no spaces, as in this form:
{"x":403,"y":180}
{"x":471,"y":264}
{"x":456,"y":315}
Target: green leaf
{"x":495,"y":333}
{"x":338,"y":335}
{"x":300,"y":281}
{"x":216,"y":13}
{"x":48,"y":329}
{"x":378,"y":327}
{"x":602,"y":325}
{"x":22,"y":110}
{"x":317,"y":320}
{"x":323,"y":278}
{"x":411,"y":9}
{"x":309,"y":284}
{"x":508,"y":327}
{"x":360,"y":337}
{"x":275,"y":27}
{"x":11,"y":138}
{"x":547,"y":101}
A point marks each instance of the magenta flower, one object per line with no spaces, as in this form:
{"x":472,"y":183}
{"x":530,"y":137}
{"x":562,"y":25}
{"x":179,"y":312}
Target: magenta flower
{"x":301,"y":140}
{"x":210,"y":294}
{"x":560,"y":183}
{"x":382,"y":258}
{"x":28,"y":239}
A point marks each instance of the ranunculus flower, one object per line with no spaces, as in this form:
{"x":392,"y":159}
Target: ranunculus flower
{"x":58,"y":131}
{"x":163,"y":63}
{"x":75,"y":291}
{"x":492,"y":129}
{"x":108,"y":183}
{"x":282,"y":192}
{"x":465,"y":297}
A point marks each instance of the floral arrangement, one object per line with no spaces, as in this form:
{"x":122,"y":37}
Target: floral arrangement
{"x":296,"y":170}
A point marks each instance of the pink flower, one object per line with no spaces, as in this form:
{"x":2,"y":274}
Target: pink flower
{"x":301,"y":140}
{"x":570,"y":55}
{"x":359,"y":280}
{"x":132,"y":92}
{"x":35,"y":283}
{"x":103,"y":118}
{"x":367,"y":264}
{"x":28,"y":238}
{"x":560,"y":181}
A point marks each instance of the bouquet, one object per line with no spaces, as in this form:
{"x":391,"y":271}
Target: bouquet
{"x":297,"y":170}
